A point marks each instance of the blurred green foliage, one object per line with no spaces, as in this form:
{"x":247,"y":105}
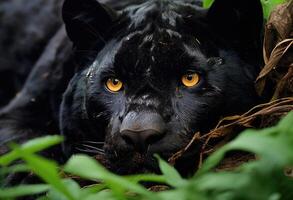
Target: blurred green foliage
{"x":262,"y":179}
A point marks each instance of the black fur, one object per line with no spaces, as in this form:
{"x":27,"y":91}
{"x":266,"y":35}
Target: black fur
{"x":149,"y":46}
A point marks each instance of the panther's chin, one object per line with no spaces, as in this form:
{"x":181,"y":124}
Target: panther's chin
{"x":125,"y":160}
{"x":139,"y":163}
{"x":129,"y":163}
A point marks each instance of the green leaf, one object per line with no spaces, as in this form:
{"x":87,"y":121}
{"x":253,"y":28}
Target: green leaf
{"x":146,"y":178}
{"x":173,"y":178}
{"x":188,"y":193}
{"x":45,"y":169}
{"x":207,"y":3}
{"x":14,"y":169}
{"x":91,"y":169}
{"x":32,"y":146}
{"x":88,"y":168}
{"x":44,"y":198}
{"x":286,"y":125}
{"x":212,"y":161}
{"x":260,"y":179}
{"x":92,"y":189}
{"x":269,"y":5}
{"x":103,"y":195}
{"x":279,"y":139}
{"x":222,"y":181}
{"x":23,"y":190}
{"x":71,"y":186}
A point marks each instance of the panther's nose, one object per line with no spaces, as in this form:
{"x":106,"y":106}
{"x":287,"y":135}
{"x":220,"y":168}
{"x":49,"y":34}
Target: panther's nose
{"x":142,"y":129}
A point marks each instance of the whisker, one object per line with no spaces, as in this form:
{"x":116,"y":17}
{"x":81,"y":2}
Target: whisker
{"x":89,"y":151}
{"x":87,"y":147}
{"x":93,"y":142}
{"x":92,"y":147}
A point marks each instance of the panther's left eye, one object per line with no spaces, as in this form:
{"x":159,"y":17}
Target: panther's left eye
{"x":190,"y":80}
{"x":114,"y":85}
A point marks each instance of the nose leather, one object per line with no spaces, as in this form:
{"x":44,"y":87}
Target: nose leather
{"x":142,"y":129}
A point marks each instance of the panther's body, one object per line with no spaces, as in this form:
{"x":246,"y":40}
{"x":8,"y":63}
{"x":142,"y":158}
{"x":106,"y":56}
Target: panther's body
{"x":148,"y":47}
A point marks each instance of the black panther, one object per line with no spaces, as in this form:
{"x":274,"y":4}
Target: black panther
{"x":147,"y":76}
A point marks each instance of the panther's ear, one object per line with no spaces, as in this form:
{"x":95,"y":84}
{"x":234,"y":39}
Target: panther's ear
{"x":240,"y":20}
{"x":87,"y":21}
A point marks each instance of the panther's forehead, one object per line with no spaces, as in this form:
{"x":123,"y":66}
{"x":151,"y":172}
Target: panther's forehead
{"x":154,"y":46}
{"x":164,"y":13}
{"x":155,"y":40}
{"x":153,"y":53}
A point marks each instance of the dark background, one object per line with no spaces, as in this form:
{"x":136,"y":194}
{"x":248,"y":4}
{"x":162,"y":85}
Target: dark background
{"x":26,"y":27}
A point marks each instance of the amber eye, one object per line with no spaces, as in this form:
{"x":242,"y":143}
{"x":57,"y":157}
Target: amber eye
{"x":190,"y":80}
{"x":114,"y":85}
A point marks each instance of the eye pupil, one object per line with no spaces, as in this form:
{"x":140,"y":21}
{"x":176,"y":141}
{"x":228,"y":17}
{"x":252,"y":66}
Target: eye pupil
{"x":189,"y":77}
{"x":115,"y":81}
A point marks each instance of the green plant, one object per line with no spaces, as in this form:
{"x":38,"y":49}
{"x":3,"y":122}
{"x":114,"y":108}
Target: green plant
{"x":261,"y":179}
{"x":268,"y":5}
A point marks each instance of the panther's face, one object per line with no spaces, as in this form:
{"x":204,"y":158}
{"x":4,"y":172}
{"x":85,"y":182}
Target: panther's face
{"x":162,"y":71}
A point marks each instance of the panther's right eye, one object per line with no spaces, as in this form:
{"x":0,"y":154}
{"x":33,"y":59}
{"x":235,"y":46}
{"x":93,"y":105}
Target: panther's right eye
{"x":114,"y":85}
{"x":190,"y":80}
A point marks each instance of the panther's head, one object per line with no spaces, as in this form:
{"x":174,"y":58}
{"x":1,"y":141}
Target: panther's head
{"x":153,"y":74}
